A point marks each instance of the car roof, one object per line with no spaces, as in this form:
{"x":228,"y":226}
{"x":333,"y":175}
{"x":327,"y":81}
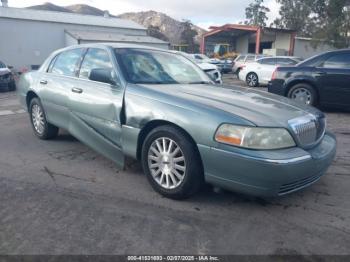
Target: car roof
{"x":112,"y":45}
{"x":290,"y":57}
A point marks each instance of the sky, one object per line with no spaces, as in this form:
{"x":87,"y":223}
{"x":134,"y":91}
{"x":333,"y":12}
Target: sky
{"x":203,"y":13}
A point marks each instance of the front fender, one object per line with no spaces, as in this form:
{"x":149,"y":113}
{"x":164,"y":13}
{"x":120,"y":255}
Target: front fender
{"x":291,"y":81}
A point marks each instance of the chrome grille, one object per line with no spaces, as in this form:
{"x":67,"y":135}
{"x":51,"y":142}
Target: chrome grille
{"x":308,"y":129}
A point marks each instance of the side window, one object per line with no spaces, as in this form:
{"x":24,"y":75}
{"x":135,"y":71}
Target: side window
{"x":268,"y":61}
{"x":338,"y":61}
{"x":250,"y":58}
{"x":198,"y":57}
{"x":66,"y":62}
{"x":240,"y":58}
{"x":285,"y":61}
{"x":94,"y":59}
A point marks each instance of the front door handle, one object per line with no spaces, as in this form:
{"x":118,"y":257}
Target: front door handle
{"x":77,"y":90}
{"x":321,"y":73}
{"x":43,"y":82}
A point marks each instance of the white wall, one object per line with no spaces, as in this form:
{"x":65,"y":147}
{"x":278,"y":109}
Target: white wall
{"x":305,"y":49}
{"x":24,"y":43}
{"x":282,"y":41}
{"x":242,"y":44}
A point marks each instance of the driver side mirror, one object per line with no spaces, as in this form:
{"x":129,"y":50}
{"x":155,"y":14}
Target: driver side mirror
{"x":103,"y":75}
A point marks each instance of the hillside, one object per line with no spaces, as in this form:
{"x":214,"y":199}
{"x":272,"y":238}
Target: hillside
{"x":169,"y":26}
{"x":85,"y":10}
{"x":50,"y":7}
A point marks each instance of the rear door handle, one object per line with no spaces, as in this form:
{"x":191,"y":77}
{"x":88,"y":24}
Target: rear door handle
{"x":77,"y":90}
{"x":43,"y":82}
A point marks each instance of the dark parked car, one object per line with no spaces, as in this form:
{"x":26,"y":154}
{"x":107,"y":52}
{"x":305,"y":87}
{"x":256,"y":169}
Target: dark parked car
{"x":321,"y":80}
{"x":7,"y":81}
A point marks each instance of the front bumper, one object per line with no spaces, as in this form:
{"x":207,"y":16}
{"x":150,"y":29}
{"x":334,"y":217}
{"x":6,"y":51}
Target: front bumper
{"x":267,"y":173}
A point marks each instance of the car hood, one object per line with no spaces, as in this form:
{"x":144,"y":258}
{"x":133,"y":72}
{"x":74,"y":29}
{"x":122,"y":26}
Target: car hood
{"x":258,"y":107}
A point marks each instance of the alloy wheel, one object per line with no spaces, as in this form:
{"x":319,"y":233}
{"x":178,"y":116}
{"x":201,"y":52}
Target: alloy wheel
{"x":166,"y":163}
{"x":302,"y":95}
{"x":252,"y":80}
{"x":38,"y":119}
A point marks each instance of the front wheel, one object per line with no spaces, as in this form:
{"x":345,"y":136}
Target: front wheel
{"x":252,"y":80}
{"x":171,"y":163}
{"x":42,"y":129}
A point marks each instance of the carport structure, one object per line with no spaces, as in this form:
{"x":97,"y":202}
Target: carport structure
{"x":248,"y":39}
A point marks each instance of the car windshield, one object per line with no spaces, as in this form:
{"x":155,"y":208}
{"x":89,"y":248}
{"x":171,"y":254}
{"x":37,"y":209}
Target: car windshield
{"x":2,"y":65}
{"x":142,"y":66}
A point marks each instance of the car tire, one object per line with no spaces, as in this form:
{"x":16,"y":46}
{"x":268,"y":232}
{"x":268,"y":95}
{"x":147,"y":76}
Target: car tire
{"x":237,"y":72}
{"x":42,"y":129}
{"x":252,"y":80}
{"x":12,"y":86}
{"x":171,"y":163}
{"x":304,"y":93}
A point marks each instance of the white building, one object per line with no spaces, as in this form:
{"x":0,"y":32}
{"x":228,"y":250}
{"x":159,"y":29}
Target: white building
{"x":28,"y":36}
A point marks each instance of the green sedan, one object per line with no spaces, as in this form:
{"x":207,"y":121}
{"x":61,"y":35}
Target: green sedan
{"x":162,"y":109}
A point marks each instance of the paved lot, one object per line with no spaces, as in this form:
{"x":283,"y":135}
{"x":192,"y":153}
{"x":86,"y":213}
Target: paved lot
{"x":60,"y":197}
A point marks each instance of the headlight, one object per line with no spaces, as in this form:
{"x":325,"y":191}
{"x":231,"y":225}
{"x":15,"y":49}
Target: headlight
{"x":254,"y":137}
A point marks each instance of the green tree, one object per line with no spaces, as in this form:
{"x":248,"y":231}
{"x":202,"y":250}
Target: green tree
{"x":325,"y":20}
{"x":256,"y":13}
{"x":295,"y":15}
{"x":187,"y":36}
{"x":154,"y":31}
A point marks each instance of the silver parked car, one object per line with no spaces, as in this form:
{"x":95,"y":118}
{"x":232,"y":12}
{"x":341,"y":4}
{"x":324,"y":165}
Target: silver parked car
{"x":159,"y":107}
{"x":7,"y":80}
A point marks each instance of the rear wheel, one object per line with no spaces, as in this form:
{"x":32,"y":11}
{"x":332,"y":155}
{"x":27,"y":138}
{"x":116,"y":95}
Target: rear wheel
{"x":303,"y":93}
{"x":252,"y":80}
{"x":42,"y":129}
{"x":171,"y":163}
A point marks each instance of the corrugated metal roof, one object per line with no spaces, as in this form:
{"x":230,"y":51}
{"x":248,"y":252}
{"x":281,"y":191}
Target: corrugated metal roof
{"x":111,"y":37}
{"x":67,"y":18}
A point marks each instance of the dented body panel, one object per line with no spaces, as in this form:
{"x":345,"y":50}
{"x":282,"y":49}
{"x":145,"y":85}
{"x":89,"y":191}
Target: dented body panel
{"x":111,"y":119}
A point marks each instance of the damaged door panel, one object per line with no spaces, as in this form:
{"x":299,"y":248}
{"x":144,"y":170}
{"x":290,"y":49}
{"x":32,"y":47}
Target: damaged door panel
{"x":97,"y":106}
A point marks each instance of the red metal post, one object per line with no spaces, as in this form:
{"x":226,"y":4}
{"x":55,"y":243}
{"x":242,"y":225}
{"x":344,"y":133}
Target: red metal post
{"x":292,"y":43}
{"x":257,"y":41}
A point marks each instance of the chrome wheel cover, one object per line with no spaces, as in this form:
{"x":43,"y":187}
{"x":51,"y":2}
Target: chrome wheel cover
{"x":166,"y":163}
{"x":38,"y":119}
{"x":252,"y":80}
{"x":302,"y":95}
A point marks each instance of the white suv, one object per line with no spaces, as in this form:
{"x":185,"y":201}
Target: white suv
{"x":260,"y":71}
{"x":242,"y":60}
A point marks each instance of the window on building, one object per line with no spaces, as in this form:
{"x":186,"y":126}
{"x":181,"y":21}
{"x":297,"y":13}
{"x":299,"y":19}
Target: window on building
{"x":66,"y":62}
{"x":338,"y":61}
{"x":95,"y":58}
